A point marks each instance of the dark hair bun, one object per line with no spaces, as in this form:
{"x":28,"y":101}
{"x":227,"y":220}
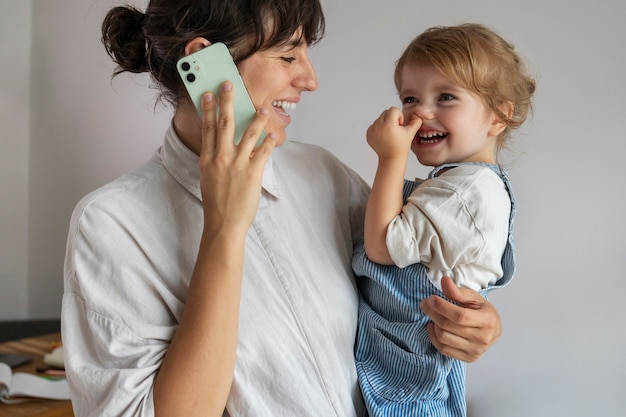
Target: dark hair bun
{"x":123,"y":38}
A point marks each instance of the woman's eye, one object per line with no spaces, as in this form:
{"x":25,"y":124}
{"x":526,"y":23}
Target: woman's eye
{"x":288,"y":59}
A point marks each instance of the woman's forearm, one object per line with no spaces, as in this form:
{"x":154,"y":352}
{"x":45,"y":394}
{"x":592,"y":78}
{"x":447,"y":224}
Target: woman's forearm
{"x":196,"y":373}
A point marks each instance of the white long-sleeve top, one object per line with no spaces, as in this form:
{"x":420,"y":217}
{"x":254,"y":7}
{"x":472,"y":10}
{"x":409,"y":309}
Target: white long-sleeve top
{"x":456,"y":224}
{"x":131,"y":250}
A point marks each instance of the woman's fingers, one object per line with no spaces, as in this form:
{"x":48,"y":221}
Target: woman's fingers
{"x":254,"y":131}
{"x":218,"y":127}
{"x":209,"y":122}
{"x":464,"y":330}
{"x":449,"y":344}
{"x":218,"y":124}
{"x":226,"y":116}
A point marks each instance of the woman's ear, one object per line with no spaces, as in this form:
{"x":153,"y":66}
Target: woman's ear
{"x":195,"y":45}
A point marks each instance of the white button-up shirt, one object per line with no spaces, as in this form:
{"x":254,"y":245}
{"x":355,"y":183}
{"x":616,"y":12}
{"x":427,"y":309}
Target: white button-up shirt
{"x":457,"y":225}
{"x":131,"y":250}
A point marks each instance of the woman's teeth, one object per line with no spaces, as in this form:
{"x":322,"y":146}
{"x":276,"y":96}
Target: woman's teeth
{"x":285,"y":105}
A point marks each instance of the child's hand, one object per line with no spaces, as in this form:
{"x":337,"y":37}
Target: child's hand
{"x":390,"y":137}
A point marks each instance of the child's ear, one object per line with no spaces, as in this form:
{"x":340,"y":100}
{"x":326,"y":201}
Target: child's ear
{"x":497,"y":124}
{"x":195,"y":45}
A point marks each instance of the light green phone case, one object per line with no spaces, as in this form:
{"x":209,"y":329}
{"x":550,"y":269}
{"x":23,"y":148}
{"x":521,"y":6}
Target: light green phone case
{"x":205,"y":70}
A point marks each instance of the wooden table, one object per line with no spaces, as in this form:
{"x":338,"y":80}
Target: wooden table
{"x":36,"y":347}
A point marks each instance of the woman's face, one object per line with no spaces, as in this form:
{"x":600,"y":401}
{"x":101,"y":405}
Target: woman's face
{"x":275,"y":78}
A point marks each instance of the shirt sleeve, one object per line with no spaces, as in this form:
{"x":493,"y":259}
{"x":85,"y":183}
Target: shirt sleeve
{"x":456,"y":225}
{"x":351,"y":193}
{"x":110,"y":371}
{"x":114,"y":327}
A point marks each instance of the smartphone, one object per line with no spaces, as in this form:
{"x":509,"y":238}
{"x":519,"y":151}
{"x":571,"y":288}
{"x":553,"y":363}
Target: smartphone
{"x":205,"y":70}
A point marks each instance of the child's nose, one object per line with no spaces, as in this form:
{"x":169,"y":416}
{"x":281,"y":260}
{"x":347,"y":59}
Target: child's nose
{"x":425,"y":111}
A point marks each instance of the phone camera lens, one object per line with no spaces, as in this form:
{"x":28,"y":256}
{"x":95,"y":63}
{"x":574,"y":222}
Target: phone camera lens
{"x":185,"y":66}
{"x":191,"y":78}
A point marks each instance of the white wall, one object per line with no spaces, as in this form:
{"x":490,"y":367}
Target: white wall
{"x":86,"y":130}
{"x":15,"y":36}
{"x":563,"y":348}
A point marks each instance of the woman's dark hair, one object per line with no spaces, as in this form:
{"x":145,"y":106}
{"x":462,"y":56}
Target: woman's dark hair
{"x":155,"y":40}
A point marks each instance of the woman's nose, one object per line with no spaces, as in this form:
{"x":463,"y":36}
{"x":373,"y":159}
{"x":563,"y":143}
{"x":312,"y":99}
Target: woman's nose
{"x":306,"y":79}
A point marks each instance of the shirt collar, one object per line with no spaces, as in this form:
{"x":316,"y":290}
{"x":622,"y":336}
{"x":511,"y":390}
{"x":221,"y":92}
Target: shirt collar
{"x":182,"y":164}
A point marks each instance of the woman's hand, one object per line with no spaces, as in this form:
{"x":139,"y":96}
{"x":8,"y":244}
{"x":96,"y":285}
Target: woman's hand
{"x":231,"y":175}
{"x":197,"y":371}
{"x":464,"y":331}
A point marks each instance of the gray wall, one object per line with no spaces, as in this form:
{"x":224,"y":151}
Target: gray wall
{"x":15,"y":39}
{"x":66,"y":129}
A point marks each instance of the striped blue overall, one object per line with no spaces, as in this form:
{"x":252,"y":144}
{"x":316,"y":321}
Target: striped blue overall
{"x":400,"y":372}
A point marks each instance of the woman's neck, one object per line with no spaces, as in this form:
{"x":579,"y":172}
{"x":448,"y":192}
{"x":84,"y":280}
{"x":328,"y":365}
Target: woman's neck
{"x":188,"y":127}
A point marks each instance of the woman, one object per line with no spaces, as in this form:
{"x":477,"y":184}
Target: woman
{"x":215,"y":279}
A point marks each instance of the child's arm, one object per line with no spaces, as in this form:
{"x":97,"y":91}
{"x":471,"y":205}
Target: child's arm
{"x":391,"y":140}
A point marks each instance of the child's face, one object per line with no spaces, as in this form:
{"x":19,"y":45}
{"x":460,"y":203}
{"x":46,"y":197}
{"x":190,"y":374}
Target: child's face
{"x":456,"y":124}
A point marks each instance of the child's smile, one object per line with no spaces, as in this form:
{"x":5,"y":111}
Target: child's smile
{"x":430,"y":136}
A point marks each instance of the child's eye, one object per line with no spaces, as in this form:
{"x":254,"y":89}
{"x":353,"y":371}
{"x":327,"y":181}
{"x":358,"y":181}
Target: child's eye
{"x":446,"y":97}
{"x":288,"y":59}
{"x":409,"y":100}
